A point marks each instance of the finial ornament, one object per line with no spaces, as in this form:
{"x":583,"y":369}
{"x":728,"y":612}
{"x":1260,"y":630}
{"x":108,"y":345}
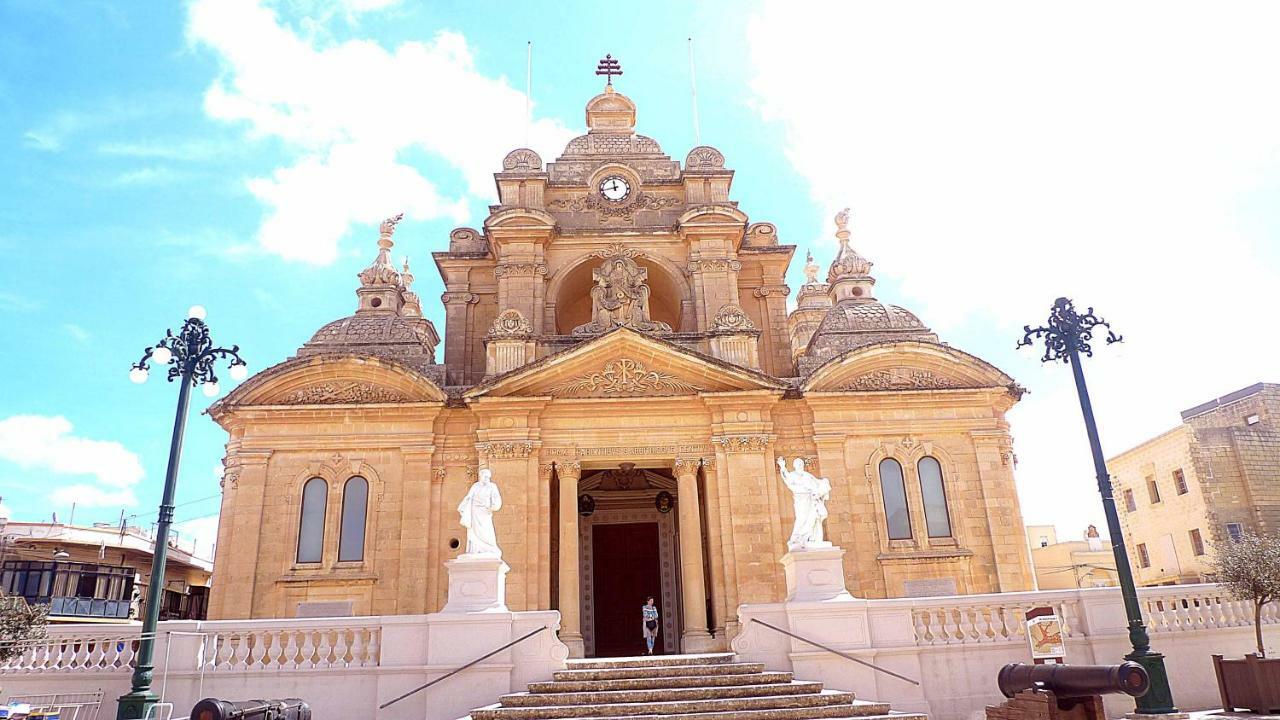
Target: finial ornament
{"x":1068,"y":333}
{"x":609,"y":67}
{"x":810,"y":268}
{"x":388,"y":227}
{"x":842,"y":220}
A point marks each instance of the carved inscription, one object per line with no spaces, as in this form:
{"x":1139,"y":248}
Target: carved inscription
{"x":337,"y":393}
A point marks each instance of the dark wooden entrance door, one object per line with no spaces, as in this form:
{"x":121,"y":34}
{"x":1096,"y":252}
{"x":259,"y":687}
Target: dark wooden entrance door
{"x":625,"y":569}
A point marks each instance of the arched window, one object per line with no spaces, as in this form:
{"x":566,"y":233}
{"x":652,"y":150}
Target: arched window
{"x":894,"y":491}
{"x":355,"y":501}
{"x":936,"y":518}
{"x":315,"y":495}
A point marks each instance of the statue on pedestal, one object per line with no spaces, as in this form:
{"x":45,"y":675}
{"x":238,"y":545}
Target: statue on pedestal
{"x":620,"y":297}
{"x":810,"y":494}
{"x":476,"y":511}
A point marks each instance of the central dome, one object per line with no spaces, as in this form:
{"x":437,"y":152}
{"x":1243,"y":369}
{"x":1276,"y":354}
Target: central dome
{"x":410,"y":341}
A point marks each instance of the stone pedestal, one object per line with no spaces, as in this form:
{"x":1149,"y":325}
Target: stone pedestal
{"x":815,"y":575}
{"x":476,"y":584}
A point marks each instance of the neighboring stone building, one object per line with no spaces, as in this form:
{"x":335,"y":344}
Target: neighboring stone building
{"x":1083,"y":563}
{"x":617,"y":344}
{"x":1211,"y":478}
{"x":98,"y":573}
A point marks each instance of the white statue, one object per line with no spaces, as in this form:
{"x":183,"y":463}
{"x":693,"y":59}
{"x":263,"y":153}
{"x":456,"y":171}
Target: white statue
{"x":477,"y":509}
{"x":810,"y":494}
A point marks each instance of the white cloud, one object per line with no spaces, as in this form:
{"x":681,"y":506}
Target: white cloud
{"x":198,"y":535}
{"x":47,"y":443}
{"x":185,"y":150}
{"x":77,"y":333}
{"x":42,"y":140}
{"x":348,"y":111}
{"x":157,"y":175}
{"x":999,"y":154}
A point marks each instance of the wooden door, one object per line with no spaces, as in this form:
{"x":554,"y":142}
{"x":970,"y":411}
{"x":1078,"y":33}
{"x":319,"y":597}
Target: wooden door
{"x":625,"y":570}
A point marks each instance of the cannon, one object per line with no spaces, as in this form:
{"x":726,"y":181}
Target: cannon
{"x":1064,"y":692}
{"x":1066,"y":681}
{"x":284,"y":709}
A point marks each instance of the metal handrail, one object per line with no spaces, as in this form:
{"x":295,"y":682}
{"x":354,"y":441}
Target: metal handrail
{"x":835,"y":652}
{"x":455,"y":671}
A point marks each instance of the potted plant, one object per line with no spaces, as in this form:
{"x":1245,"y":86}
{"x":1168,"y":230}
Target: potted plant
{"x":1249,"y":569}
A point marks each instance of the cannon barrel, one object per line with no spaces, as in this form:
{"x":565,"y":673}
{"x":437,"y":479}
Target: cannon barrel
{"x":1066,"y":681}
{"x":284,"y":709}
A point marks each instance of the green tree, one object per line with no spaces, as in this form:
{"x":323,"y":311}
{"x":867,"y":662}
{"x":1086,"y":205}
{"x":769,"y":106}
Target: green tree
{"x":19,"y":624}
{"x":1250,"y":570}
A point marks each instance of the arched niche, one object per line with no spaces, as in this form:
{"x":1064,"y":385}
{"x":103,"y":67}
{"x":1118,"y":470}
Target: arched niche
{"x":571,"y":292}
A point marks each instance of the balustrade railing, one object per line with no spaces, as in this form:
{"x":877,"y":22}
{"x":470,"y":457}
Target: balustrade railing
{"x":74,"y":653}
{"x":959,"y":621}
{"x":291,"y":648}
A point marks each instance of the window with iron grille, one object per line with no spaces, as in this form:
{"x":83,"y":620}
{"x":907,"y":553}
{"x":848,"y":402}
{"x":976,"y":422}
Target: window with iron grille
{"x":1130,"y":503}
{"x":1144,"y":560}
{"x":1180,"y":481}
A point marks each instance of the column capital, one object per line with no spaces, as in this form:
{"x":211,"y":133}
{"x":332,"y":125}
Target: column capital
{"x":743,"y":443}
{"x":569,"y":468}
{"x":545,"y":470}
{"x":685,"y":467}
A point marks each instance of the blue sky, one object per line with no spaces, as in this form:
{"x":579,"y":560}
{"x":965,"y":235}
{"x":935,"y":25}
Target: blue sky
{"x":239,"y":155}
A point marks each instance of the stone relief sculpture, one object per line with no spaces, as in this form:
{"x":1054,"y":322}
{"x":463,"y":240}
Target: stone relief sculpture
{"x":810,"y":494}
{"x":476,"y":511}
{"x":620,"y":298}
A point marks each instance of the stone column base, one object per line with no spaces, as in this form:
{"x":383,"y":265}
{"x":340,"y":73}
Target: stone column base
{"x":815,"y":575}
{"x":476,"y":584}
{"x":698,"y":641}
{"x":577,"y":649}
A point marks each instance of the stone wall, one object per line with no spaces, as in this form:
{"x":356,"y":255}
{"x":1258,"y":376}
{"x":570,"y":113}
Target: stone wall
{"x":954,"y":646}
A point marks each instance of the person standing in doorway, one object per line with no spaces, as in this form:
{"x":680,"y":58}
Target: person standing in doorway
{"x":650,"y":614}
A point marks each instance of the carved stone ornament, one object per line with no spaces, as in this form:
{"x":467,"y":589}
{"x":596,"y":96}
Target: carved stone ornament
{"x":742,"y":443}
{"x":510,"y":324}
{"x":438,"y":474}
{"x":615,"y":250}
{"x":522,"y":160}
{"x":505,"y":450}
{"x":687,"y":466}
{"x":623,"y":377}
{"x":520,"y":270}
{"x":339,"y":393}
{"x":704,"y":157}
{"x":908,"y":443}
{"x":721,"y":265}
{"x":731,"y":318}
{"x":620,"y":298}
{"x":459,"y":297}
{"x":764,"y":292}
{"x":901,"y":378}
{"x":624,"y":210}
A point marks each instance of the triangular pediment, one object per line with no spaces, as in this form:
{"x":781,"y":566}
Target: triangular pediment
{"x":624,"y":364}
{"x":333,"y":380}
{"x":906,"y":365}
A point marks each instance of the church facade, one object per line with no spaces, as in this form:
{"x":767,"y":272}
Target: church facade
{"x":619,"y":352}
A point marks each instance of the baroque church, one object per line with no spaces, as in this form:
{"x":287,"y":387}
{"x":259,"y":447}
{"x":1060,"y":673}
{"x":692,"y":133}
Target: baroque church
{"x":619,"y":352}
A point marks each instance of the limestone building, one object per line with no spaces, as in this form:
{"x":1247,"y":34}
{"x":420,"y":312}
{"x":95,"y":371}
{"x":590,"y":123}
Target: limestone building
{"x":1066,"y":564}
{"x":618,"y":351}
{"x":1208,"y":480}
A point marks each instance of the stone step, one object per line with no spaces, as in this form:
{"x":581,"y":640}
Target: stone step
{"x":650,"y":661}
{"x":726,"y":668}
{"x":827,"y":703}
{"x":530,"y":699}
{"x":653,"y":683}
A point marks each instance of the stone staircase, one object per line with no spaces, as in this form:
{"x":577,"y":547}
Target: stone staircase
{"x":688,"y":687}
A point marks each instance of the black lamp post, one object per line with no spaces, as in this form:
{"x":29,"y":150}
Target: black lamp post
{"x":1066,"y":338}
{"x":190,"y":356}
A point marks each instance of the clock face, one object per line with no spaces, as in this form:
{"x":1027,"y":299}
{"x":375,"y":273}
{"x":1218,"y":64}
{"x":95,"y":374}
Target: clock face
{"x":614,"y":189}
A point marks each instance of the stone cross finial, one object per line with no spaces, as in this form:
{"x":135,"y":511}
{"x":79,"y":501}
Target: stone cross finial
{"x":810,"y":268}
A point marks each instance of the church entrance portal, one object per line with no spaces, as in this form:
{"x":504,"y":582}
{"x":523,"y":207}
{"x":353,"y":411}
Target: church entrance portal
{"x":626,"y":570}
{"x":627,"y":550}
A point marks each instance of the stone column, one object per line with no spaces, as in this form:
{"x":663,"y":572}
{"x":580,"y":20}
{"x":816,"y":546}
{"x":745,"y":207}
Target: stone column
{"x":570,"y":589}
{"x":695,"y":637}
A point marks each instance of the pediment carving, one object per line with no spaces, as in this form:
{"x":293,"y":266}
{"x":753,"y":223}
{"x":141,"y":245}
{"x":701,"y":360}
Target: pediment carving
{"x":623,"y":377}
{"x":342,"y":393}
{"x":902,"y":378}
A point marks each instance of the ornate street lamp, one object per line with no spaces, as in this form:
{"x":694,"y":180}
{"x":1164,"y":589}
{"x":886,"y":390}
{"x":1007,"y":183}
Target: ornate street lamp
{"x":190,"y":356}
{"x":1066,"y":338}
